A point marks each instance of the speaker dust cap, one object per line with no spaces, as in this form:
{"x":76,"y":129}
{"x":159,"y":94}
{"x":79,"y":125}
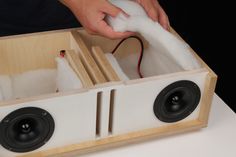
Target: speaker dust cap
{"x":177,"y":101}
{"x":26,"y":129}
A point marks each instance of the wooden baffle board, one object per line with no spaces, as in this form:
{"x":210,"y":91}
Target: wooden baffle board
{"x":106,"y":111}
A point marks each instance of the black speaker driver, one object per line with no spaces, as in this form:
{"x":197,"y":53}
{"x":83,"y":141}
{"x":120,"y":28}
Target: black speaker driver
{"x":26,"y":129}
{"x":177,"y":101}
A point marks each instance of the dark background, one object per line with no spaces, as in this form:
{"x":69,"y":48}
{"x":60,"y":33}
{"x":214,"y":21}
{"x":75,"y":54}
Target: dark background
{"x":207,"y":26}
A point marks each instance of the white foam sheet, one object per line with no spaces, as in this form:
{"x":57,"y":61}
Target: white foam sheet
{"x":66,"y":78}
{"x":5,"y":87}
{"x":116,"y":67}
{"x":166,"y":52}
{"x":38,"y":82}
{"x":34,"y":83}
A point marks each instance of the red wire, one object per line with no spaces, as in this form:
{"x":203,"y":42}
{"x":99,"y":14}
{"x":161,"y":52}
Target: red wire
{"x":62,"y":53}
{"x":141,"y":52}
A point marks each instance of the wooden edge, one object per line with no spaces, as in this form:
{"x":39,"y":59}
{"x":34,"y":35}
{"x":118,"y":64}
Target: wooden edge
{"x":207,"y":98}
{"x":68,"y":30}
{"x":209,"y":88}
{"x":119,"y":140}
{"x":89,"y":63}
{"x":104,"y":64}
{"x":78,"y":67}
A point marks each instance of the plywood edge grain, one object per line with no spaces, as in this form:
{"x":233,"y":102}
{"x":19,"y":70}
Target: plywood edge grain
{"x":89,"y":63}
{"x":119,"y":140}
{"x":78,"y":67}
{"x":207,"y":98}
{"x":104,"y":64}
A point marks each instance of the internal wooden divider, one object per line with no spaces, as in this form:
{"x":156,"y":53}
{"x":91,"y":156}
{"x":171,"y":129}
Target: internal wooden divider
{"x":76,"y":64}
{"x":88,"y":61}
{"x":104,"y":64}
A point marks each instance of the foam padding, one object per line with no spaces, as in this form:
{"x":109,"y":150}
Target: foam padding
{"x":166,"y":49}
{"x":116,"y":67}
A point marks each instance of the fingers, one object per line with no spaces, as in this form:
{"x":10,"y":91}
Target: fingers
{"x":163,"y":19}
{"x":105,"y":30}
{"x":102,"y":28}
{"x":155,"y":12}
{"x":150,"y":8}
{"x":91,"y":14}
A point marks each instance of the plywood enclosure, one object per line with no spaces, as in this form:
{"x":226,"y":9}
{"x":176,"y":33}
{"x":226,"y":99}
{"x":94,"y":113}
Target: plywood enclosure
{"x":109,"y":110}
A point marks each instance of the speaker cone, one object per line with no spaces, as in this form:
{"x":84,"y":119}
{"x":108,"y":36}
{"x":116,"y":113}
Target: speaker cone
{"x":26,"y":129}
{"x":177,"y":101}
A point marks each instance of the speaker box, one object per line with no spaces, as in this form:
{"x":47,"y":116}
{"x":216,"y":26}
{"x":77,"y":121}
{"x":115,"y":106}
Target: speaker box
{"x":113,"y":107}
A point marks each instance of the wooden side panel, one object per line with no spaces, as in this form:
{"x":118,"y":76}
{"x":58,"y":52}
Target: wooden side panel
{"x":22,"y":54}
{"x":207,"y":98}
{"x":104,"y":64}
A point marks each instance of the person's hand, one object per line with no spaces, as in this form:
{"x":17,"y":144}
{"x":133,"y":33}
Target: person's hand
{"x":155,"y":12}
{"x":91,"y":14}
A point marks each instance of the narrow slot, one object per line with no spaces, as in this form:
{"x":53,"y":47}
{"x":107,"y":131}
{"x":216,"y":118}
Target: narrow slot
{"x":112,"y":101}
{"x":98,"y":117}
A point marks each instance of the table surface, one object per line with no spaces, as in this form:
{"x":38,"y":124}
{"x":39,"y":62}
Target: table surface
{"x":217,"y":140}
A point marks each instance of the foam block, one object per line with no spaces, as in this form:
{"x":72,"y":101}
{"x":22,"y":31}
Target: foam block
{"x":116,"y":67}
{"x":34,"y":83}
{"x":169,"y":48}
{"x":6,"y":87}
{"x":66,"y":77}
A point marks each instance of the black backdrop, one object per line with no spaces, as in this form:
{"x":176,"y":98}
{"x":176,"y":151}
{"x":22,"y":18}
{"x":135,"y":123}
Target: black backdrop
{"x":208,"y":28}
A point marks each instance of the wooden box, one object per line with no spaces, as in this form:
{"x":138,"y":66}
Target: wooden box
{"x":107,"y":111}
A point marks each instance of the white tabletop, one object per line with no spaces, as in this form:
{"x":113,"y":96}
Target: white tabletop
{"x":217,"y":140}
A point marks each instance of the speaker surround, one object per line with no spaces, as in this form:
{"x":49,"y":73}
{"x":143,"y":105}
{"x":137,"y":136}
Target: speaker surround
{"x":26,"y":129}
{"x":177,"y":101}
